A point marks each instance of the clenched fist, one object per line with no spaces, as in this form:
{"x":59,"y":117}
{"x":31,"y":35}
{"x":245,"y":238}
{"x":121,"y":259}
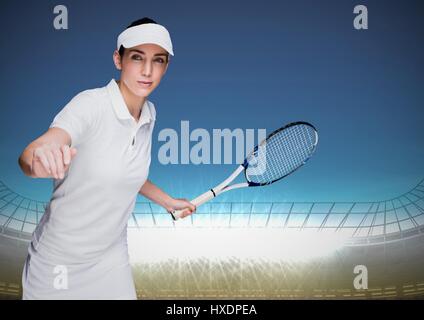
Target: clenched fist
{"x":51,"y":160}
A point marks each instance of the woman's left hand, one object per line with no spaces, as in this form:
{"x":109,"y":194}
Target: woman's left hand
{"x":180,"y":204}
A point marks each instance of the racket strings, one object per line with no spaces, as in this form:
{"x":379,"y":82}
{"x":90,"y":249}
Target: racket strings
{"x":281,"y":154}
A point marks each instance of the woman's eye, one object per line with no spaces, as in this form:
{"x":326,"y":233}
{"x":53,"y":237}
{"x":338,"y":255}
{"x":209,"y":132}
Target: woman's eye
{"x":136,"y":57}
{"x":160,"y":60}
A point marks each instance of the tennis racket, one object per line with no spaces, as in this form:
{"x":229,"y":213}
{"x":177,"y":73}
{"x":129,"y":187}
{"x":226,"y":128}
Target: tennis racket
{"x":283,"y":151}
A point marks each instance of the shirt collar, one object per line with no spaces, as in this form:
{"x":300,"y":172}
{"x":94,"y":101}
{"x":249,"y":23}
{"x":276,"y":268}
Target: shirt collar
{"x":121,"y":108}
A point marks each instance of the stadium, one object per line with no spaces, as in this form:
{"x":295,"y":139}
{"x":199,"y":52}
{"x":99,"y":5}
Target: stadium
{"x":280,"y":250}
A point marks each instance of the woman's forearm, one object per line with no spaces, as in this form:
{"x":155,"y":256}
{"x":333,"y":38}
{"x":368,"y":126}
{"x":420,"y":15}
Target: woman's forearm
{"x":152,"y":192}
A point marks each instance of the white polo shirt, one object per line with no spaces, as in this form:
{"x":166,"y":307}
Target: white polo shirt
{"x":84,"y":226}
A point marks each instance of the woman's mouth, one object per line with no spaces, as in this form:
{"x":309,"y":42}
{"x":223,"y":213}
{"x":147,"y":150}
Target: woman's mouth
{"x":144,"y":84}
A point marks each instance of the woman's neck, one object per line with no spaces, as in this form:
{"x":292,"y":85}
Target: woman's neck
{"x":133,"y":102}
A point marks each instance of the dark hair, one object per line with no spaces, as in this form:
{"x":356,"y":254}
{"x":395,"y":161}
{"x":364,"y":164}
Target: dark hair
{"x":137,"y":23}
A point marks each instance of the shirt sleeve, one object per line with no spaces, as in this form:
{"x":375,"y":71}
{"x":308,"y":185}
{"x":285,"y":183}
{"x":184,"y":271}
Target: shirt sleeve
{"x":76,"y":118}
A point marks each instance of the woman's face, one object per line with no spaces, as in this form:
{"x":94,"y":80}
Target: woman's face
{"x":142,"y":68}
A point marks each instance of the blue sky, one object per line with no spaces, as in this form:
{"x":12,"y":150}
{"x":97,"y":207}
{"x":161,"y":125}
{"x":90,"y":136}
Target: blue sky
{"x":237,"y":64}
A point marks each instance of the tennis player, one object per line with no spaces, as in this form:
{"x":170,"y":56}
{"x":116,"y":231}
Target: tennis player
{"x":98,"y":152}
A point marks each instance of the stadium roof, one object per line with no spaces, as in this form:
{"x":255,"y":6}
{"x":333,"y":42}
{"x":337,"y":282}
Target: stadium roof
{"x":364,"y":222}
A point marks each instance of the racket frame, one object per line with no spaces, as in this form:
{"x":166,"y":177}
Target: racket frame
{"x":224,"y":185}
{"x":246,"y":164}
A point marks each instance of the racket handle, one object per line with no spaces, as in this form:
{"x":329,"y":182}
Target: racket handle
{"x":208,"y":195}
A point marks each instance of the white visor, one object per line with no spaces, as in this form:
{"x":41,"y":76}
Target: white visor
{"x":146,"y":33}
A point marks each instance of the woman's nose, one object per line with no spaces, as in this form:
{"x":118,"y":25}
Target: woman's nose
{"x":147,"y":70}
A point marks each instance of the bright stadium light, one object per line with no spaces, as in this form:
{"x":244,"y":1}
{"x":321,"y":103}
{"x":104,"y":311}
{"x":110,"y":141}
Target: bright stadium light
{"x":153,"y":245}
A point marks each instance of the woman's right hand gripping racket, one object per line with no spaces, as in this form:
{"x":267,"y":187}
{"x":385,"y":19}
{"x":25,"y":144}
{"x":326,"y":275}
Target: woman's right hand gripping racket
{"x":281,"y":153}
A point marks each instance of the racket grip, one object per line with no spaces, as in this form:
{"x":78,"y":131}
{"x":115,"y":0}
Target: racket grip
{"x":208,"y":195}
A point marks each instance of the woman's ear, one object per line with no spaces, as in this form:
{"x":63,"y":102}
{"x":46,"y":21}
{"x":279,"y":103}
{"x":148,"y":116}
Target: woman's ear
{"x":117,"y":60}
